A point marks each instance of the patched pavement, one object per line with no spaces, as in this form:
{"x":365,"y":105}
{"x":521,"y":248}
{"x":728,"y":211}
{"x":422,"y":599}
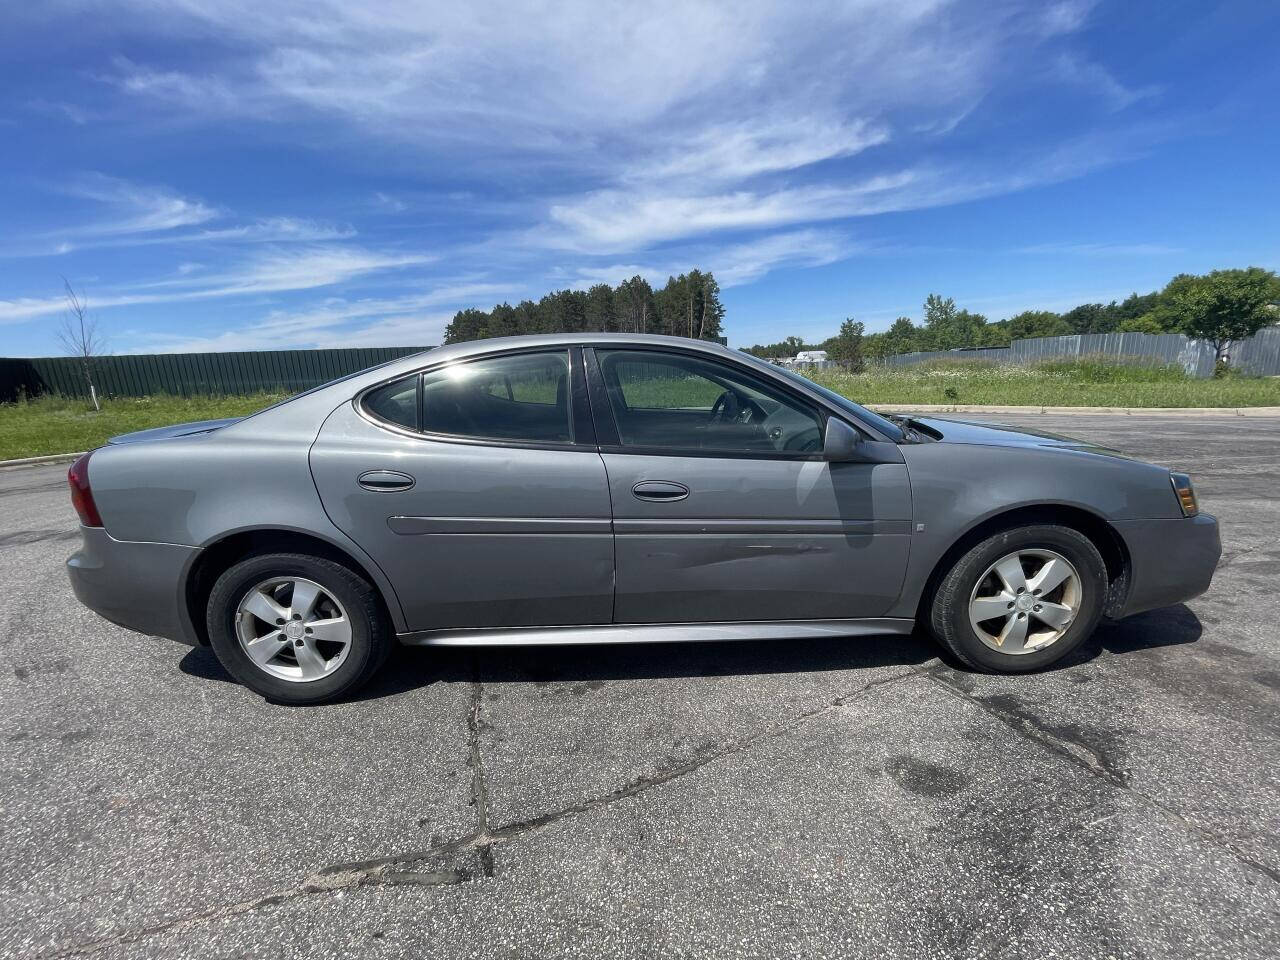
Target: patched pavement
{"x":820,"y":798}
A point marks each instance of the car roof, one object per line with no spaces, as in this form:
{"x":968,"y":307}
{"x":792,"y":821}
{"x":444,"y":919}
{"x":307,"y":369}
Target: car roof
{"x":474,"y":347}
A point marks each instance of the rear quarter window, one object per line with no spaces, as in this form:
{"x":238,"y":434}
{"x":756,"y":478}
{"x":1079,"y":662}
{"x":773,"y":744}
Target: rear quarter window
{"x":395,"y":402}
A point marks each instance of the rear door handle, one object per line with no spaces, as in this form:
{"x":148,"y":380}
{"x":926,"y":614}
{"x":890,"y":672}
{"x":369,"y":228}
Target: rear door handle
{"x":659,"y":491}
{"x":385,"y":481}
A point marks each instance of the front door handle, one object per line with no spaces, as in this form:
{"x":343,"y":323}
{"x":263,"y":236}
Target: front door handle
{"x":385,"y":481}
{"x":659,"y":491}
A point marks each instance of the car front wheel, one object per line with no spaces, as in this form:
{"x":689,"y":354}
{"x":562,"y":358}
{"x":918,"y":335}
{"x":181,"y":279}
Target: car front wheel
{"x":1021,"y":599}
{"x":297,"y":629}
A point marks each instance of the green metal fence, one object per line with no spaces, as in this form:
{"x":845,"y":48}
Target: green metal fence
{"x":188,"y":374}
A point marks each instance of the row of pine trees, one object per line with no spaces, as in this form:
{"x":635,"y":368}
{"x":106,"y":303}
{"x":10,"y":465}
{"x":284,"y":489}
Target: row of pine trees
{"x":688,"y":306}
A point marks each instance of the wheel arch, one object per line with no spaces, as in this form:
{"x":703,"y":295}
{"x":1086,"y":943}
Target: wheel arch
{"x":1101,"y":533}
{"x":218,"y":556}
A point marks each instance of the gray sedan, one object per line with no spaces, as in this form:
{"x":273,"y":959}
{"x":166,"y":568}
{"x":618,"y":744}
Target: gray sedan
{"x":605,"y":488}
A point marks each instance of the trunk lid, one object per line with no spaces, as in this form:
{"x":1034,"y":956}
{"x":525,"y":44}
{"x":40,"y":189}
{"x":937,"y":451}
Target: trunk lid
{"x":176,"y":430}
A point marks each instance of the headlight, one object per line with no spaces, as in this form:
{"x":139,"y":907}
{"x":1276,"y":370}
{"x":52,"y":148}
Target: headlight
{"x":1186,"y":494}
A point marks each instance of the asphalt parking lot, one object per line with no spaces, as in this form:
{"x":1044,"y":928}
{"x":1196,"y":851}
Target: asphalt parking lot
{"x":834,"y":798}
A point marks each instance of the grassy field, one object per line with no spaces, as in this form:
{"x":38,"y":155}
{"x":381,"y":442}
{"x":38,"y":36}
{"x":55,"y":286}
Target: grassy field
{"x":56,"y":425}
{"x":1060,"y":383}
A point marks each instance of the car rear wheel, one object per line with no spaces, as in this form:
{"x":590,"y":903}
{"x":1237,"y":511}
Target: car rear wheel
{"x":1021,"y":599}
{"x":297,"y":629}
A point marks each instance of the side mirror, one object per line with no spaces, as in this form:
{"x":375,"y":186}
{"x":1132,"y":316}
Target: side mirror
{"x":839,"y":441}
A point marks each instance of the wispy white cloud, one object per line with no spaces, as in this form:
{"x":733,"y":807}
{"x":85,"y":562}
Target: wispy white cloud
{"x":385,"y":201}
{"x":208,"y":93}
{"x":263,"y":230}
{"x":614,"y":273}
{"x":1100,"y":249}
{"x":274,"y":271}
{"x":745,"y":262}
{"x":291,"y":269}
{"x":616,"y":220}
{"x":59,"y":108}
{"x":673,"y":88}
{"x":735,"y":264}
{"x":1072,"y":69}
{"x":1065,"y":16}
{"x":336,"y":321}
{"x":738,"y":151}
{"x":136,"y":208}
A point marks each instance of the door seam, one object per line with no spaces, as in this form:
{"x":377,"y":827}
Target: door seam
{"x":613,"y":540}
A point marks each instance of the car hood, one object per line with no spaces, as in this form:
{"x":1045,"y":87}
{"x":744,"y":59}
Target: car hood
{"x":994,"y":434}
{"x":177,"y":430}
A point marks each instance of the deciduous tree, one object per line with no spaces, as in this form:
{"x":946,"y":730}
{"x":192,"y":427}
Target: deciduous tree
{"x":1037,"y":323}
{"x":79,"y":334}
{"x":845,"y":348}
{"x":1222,"y":306}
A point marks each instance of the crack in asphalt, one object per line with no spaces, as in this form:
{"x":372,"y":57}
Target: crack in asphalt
{"x":448,"y":859}
{"x":479,"y":789}
{"x":1059,"y":741}
{"x":487,"y":837}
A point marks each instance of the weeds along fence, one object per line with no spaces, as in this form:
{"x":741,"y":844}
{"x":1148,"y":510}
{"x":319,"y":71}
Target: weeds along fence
{"x":1259,"y":355}
{"x":189,"y":374}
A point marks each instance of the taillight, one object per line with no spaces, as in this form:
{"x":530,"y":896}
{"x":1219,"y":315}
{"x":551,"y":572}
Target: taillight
{"x":1186,"y":494}
{"x":81,"y":495}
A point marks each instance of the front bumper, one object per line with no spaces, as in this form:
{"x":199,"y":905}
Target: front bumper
{"x":140,"y":586}
{"x":1170,"y":560}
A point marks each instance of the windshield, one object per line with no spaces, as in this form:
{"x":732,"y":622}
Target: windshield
{"x":884,"y":425}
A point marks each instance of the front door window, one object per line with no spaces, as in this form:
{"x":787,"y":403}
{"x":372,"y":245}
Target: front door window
{"x":678,"y":402}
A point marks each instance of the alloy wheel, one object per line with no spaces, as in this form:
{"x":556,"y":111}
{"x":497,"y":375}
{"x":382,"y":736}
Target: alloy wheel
{"x":1025,"y":601}
{"x":293,"y":628}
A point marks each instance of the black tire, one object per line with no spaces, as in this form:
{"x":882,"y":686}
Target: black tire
{"x":371,"y":636}
{"x":949,"y":611}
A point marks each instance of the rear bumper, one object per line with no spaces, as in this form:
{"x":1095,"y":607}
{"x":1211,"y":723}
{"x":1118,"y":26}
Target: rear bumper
{"x":140,"y":586}
{"x":1171,"y":560}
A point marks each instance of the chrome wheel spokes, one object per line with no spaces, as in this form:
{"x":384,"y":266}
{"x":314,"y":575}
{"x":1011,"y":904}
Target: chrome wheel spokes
{"x":1025,"y":601}
{"x":293,"y":629}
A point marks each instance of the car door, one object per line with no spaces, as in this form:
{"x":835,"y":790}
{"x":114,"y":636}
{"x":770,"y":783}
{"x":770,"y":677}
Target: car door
{"x":723,"y":507}
{"x":477,"y":488}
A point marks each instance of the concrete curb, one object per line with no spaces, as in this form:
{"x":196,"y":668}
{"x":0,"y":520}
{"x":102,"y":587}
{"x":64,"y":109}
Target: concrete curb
{"x":1125,"y":411}
{"x":36,"y":461}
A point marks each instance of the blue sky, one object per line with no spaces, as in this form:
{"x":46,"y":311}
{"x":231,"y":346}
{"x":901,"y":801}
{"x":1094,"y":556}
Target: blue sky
{"x":249,"y":174}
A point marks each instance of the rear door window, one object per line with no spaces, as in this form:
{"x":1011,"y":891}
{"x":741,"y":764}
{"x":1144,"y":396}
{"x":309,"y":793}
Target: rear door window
{"x":522,"y":396}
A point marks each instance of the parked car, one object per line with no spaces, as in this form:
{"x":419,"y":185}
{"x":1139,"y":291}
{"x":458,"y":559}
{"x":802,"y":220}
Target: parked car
{"x":601,"y":488}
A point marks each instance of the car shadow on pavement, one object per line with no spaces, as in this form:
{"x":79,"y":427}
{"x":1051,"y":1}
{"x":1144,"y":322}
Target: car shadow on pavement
{"x":411,"y":668}
{"x":1166,"y":627}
